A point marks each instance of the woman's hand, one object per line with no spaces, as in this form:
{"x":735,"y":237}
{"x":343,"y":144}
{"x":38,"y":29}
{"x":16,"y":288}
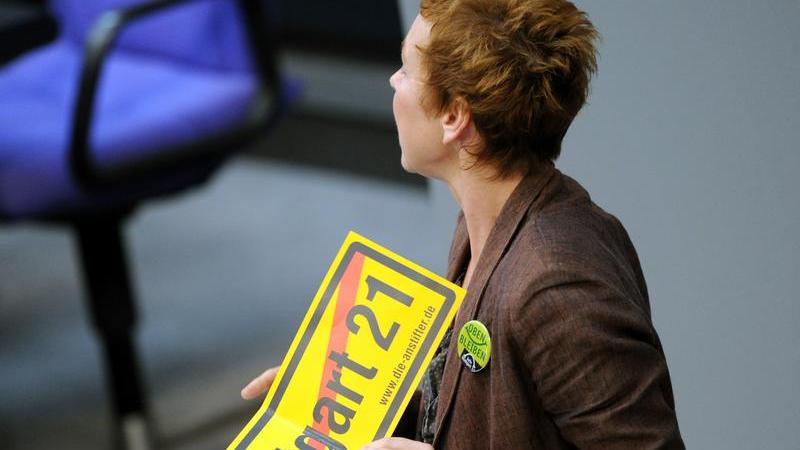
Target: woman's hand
{"x":396,"y":444}
{"x":260,"y":384}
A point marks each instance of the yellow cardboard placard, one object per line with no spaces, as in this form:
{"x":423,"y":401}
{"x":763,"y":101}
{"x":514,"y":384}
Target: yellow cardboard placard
{"x":358,"y":356}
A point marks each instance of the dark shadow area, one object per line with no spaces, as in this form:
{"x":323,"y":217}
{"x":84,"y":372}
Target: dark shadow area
{"x":363,"y":28}
{"x":344,"y":145}
{"x":24,"y":25}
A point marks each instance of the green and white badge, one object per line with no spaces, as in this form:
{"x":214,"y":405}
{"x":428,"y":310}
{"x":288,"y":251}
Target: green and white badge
{"x":474,"y":345}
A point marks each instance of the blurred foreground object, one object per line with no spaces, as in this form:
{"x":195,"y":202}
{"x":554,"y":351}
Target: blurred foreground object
{"x":134,"y":100}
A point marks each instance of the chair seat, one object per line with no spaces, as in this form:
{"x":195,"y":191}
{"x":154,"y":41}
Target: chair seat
{"x":144,"y":103}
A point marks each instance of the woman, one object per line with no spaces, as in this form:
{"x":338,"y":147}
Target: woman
{"x":486,"y":93}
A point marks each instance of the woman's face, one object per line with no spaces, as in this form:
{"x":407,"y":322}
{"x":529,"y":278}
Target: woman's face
{"x":420,"y":133}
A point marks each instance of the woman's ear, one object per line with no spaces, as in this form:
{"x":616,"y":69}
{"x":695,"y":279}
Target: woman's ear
{"x":456,"y":122}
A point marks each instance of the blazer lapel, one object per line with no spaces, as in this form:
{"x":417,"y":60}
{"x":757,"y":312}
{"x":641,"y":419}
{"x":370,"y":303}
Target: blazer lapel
{"x":499,"y":238}
{"x":459,"y":250}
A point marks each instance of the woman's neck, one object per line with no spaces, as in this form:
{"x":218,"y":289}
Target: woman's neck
{"x":481,"y":199}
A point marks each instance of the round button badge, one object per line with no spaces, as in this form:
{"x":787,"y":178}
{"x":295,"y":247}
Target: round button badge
{"x":474,"y":345}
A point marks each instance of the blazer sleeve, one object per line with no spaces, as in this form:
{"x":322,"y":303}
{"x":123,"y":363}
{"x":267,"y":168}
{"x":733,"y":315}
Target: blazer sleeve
{"x":597,"y":366}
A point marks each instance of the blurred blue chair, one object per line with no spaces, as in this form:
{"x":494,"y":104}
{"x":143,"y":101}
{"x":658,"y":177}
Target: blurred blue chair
{"x":135,"y":100}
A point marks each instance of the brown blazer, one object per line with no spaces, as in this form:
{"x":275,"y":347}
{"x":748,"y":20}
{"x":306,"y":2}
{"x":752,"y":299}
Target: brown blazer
{"x":575,"y":361}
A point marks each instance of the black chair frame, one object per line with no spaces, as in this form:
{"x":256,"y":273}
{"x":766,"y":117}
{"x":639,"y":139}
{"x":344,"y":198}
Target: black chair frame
{"x":111,"y":300}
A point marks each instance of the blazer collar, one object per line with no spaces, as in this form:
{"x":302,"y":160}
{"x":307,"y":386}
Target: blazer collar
{"x":499,"y":238}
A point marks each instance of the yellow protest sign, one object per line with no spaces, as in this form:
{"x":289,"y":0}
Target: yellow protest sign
{"x":358,"y":356}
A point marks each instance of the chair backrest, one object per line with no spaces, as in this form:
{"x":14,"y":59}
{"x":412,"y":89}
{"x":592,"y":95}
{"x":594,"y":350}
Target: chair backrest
{"x":206,"y":33}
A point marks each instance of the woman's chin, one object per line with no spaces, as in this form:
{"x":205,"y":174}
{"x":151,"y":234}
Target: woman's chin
{"x":405,"y":164}
{"x":424,"y":170}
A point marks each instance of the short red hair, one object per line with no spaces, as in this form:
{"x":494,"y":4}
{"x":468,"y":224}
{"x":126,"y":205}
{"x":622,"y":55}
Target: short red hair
{"x":523,"y":67}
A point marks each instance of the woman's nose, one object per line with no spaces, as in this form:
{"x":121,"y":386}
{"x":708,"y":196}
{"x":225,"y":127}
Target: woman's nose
{"x":392,"y":79}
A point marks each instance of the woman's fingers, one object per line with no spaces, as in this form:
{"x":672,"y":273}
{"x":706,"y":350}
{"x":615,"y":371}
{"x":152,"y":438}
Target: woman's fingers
{"x":397,"y":444}
{"x":260,"y":385}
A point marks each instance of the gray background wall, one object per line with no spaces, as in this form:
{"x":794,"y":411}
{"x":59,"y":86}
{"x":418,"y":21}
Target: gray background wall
{"x":690,"y":138}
